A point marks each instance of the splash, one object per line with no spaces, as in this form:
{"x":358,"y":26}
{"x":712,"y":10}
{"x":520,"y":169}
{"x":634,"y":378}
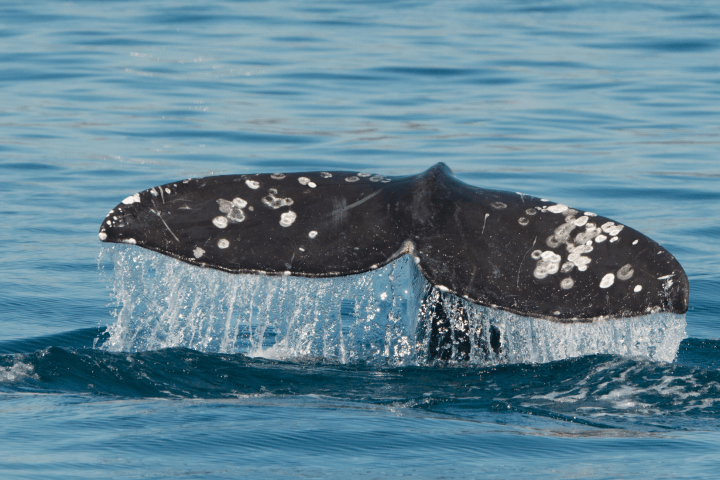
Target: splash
{"x":16,"y":372}
{"x":391,"y":316}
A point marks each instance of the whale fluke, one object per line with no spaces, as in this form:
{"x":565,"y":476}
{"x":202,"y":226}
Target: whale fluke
{"x":493,"y":248}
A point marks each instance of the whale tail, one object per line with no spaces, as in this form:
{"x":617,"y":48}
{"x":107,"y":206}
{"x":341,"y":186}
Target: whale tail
{"x":497,"y":249}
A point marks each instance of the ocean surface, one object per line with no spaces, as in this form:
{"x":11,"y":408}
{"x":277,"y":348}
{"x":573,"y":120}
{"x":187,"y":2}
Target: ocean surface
{"x":608,"y":106}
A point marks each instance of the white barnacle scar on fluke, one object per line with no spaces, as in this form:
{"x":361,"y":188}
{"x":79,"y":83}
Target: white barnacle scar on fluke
{"x":414,"y":269}
{"x":287,"y":218}
{"x":132,"y":199}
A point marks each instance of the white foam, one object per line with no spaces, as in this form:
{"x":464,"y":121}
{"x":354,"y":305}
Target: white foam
{"x":17,"y":371}
{"x":380,"y":316}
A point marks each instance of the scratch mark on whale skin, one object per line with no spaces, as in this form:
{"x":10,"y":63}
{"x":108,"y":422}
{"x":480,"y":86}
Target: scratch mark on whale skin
{"x":156,"y":212}
{"x":353,"y":205}
{"x":340,"y":208}
{"x":484,"y":222}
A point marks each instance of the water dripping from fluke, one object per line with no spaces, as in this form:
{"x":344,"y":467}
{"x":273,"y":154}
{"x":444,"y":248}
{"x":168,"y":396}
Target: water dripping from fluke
{"x":388,"y":316}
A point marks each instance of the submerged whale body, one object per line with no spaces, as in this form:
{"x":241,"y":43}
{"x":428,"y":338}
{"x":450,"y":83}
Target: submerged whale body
{"x":492,"y":248}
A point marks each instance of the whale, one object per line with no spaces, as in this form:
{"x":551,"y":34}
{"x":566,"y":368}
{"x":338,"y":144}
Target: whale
{"x":504,"y":250}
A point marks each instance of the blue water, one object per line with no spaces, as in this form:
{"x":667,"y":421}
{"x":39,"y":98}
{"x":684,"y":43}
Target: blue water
{"x":608,"y":106}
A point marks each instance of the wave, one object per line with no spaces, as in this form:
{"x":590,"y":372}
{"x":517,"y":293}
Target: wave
{"x":601,"y":390}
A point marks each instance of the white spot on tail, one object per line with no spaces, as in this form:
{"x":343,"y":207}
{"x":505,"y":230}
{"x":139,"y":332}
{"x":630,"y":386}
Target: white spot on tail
{"x":287,"y":219}
{"x":607,"y":226}
{"x":102,"y":236}
{"x":131,"y":241}
{"x":198,"y":252}
{"x":559,"y":208}
{"x":615,"y":229}
{"x":580,"y":222}
{"x":223,"y":243}
{"x":274,"y":202}
{"x":220,"y":222}
{"x":637,"y":288}
{"x":550,"y":256}
{"x":132,"y":199}
{"x":625,"y":272}
{"x":607,"y":280}
{"x":252,"y":184}
{"x":312,"y":234}
{"x":303,"y":180}
{"x":233,"y":210}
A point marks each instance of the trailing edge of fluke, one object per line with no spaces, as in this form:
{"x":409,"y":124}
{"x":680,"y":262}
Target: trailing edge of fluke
{"x":499,"y":249}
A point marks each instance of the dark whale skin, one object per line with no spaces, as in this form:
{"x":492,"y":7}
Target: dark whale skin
{"x":499,"y":249}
